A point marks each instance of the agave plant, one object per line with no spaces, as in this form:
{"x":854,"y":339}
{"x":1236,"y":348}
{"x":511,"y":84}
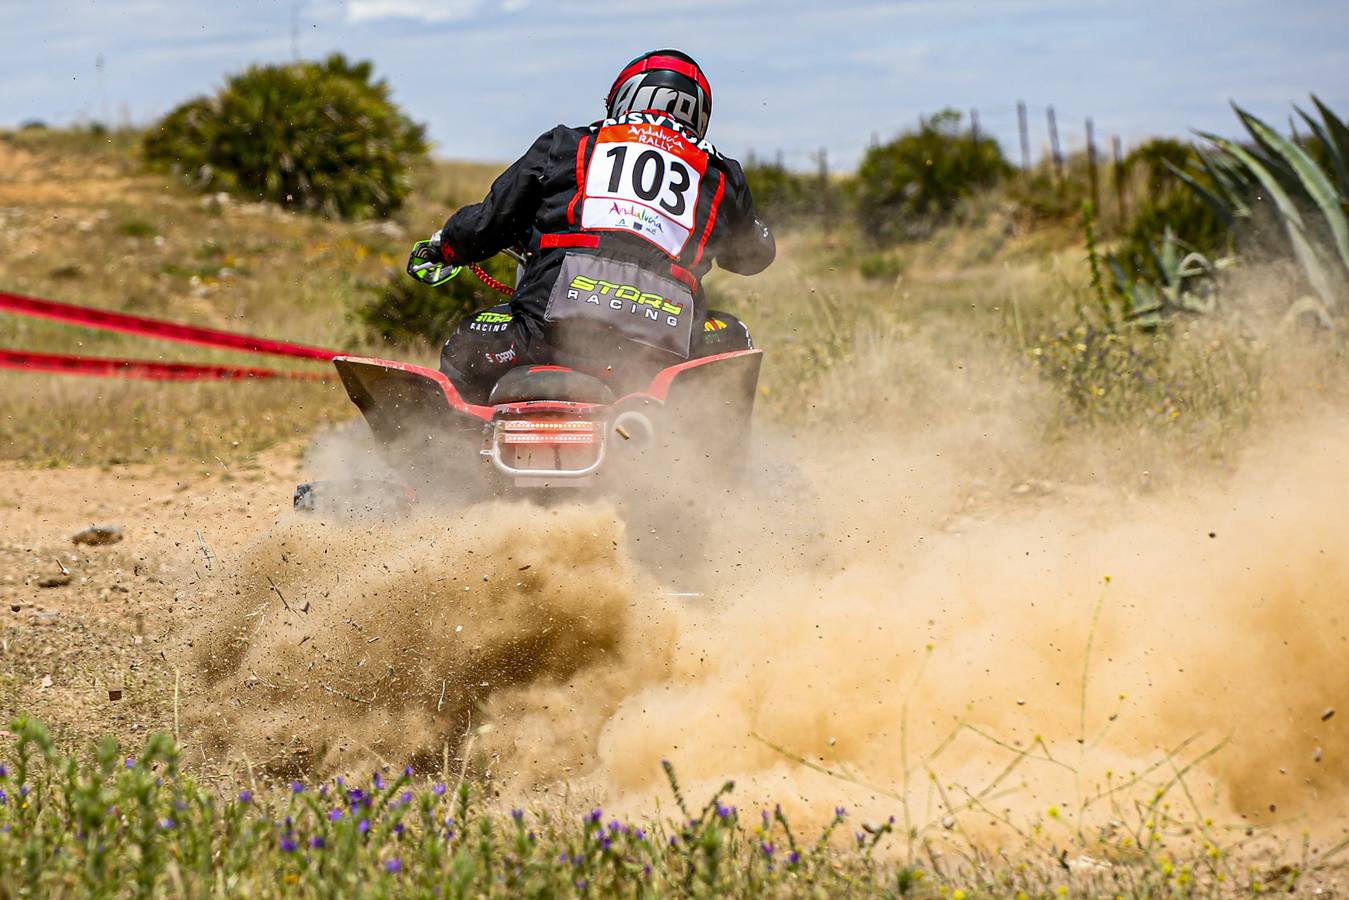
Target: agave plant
{"x":1184,"y":282}
{"x":1307,"y":181}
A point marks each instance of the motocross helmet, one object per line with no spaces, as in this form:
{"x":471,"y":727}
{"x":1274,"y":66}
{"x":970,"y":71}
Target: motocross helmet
{"x":667,"y":81}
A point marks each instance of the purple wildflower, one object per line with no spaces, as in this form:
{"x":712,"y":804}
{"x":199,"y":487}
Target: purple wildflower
{"x":606,"y":843}
{"x":398,"y":829}
{"x":23,"y":790}
{"x":562,"y":857}
{"x":674,"y":841}
{"x":394,"y":865}
{"x":646,"y":871}
{"x":3,"y":771}
{"x":518,"y":815}
{"x":379,"y":782}
{"x":840,"y":812}
{"x":765,"y":818}
{"x":861,"y":839}
{"x":725,"y":812}
{"x":334,"y":815}
{"x":167,"y":824}
{"x":406,"y":798}
{"x":768,"y":849}
{"x":355,"y":795}
{"x":639,"y":834}
{"x":615,"y":826}
{"x":245,"y":796}
{"x":4,"y":798}
{"x":407,"y":770}
{"x":179,"y":805}
{"x":130,"y":762}
{"x":288,"y":844}
{"x":340,"y":781}
{"x":595,"y":815}
{"x":582,"y":885}
{"x":364,"y":826}
{"x":438,"y":790}
{"x":316,"y":843}
{"x":323,"y":791}
{"x":296,"y":787}
{"x":793,"y":858}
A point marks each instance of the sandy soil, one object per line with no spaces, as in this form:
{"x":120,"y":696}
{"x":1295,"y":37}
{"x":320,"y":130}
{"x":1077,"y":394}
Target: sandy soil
{"x":81,"y":623}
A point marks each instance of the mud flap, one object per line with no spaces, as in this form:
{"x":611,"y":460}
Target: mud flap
{"x":715,"y":402}
{"x":423,"y":428}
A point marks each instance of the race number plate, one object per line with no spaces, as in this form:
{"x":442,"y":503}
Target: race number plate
{"x":644,"y":179}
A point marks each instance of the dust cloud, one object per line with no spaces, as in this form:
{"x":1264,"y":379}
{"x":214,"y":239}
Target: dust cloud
{"x":899,"y":621}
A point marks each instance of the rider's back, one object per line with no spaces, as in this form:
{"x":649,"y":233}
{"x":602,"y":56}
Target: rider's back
{"x":621,"y":219}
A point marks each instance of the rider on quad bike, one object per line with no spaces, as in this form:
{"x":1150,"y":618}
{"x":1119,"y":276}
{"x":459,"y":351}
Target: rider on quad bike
{"x":619,"y":221}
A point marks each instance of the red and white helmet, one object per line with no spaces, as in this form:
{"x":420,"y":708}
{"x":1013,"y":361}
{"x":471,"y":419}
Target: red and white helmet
{"x":667,"y":81}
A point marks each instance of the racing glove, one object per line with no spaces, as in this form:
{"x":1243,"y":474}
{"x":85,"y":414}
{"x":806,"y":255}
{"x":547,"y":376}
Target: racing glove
{"x":431,"y":262}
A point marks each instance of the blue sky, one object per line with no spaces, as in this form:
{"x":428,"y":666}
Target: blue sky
{"x":789,"y":76}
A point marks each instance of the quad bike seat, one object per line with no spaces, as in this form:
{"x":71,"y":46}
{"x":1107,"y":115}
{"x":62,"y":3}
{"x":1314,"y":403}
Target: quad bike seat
{"x":549,"y":383}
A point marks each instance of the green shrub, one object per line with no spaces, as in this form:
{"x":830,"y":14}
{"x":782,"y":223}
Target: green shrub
{"x":882,"y":266}
{"x":322,"y":137}
{"x":786,"y":199}
{"x":906,"y":187}
{"x":402,"y":310}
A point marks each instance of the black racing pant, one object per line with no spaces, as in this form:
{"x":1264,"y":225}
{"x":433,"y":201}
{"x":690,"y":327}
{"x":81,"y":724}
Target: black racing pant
{"x":489,"y":342}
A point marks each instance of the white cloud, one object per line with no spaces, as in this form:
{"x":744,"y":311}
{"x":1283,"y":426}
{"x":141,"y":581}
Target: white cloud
{"x":425,"y":10}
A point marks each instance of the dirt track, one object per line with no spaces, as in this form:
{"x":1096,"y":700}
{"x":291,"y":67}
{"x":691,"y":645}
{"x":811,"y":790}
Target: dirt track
{"x":65,"y":646}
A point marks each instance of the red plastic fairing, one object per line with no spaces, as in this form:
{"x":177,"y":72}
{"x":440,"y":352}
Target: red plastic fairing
{"x":660,"y":385}
{"x":451,"y":392}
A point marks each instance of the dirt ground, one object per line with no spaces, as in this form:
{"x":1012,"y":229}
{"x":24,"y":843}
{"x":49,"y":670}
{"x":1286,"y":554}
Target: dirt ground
{"x":82,"y":640}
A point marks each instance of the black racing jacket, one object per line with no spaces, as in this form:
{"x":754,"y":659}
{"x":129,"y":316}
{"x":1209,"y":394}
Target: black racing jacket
{"x":639,"y":189}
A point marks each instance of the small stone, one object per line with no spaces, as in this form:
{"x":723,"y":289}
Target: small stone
{"x":1317,"y":754}
{"x":1329,"y":711}
{"x":948,"y":823}
{"x":15,"y":607}
{"x":98,"y":535}
{"x":114,"y":694}
{"x":51,"y":581}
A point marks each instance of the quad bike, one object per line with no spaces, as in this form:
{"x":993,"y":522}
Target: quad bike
{"x":544,"y":430}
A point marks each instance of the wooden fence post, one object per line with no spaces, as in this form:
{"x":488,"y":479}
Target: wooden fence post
{"x":1092,"y":176}
{"x":1119,"y":179}
{"x":826,"y":197}
{"x":1025,"y":134}
{"x":1054,"y":143}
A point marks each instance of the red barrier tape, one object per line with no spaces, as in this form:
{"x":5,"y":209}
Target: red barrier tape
{"x":138,"y":368}
{"x":155,"y":328}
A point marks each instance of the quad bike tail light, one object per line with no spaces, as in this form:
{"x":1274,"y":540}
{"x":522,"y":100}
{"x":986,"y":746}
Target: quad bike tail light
{"x":558,"y":449}
{"x":548,"y":431}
